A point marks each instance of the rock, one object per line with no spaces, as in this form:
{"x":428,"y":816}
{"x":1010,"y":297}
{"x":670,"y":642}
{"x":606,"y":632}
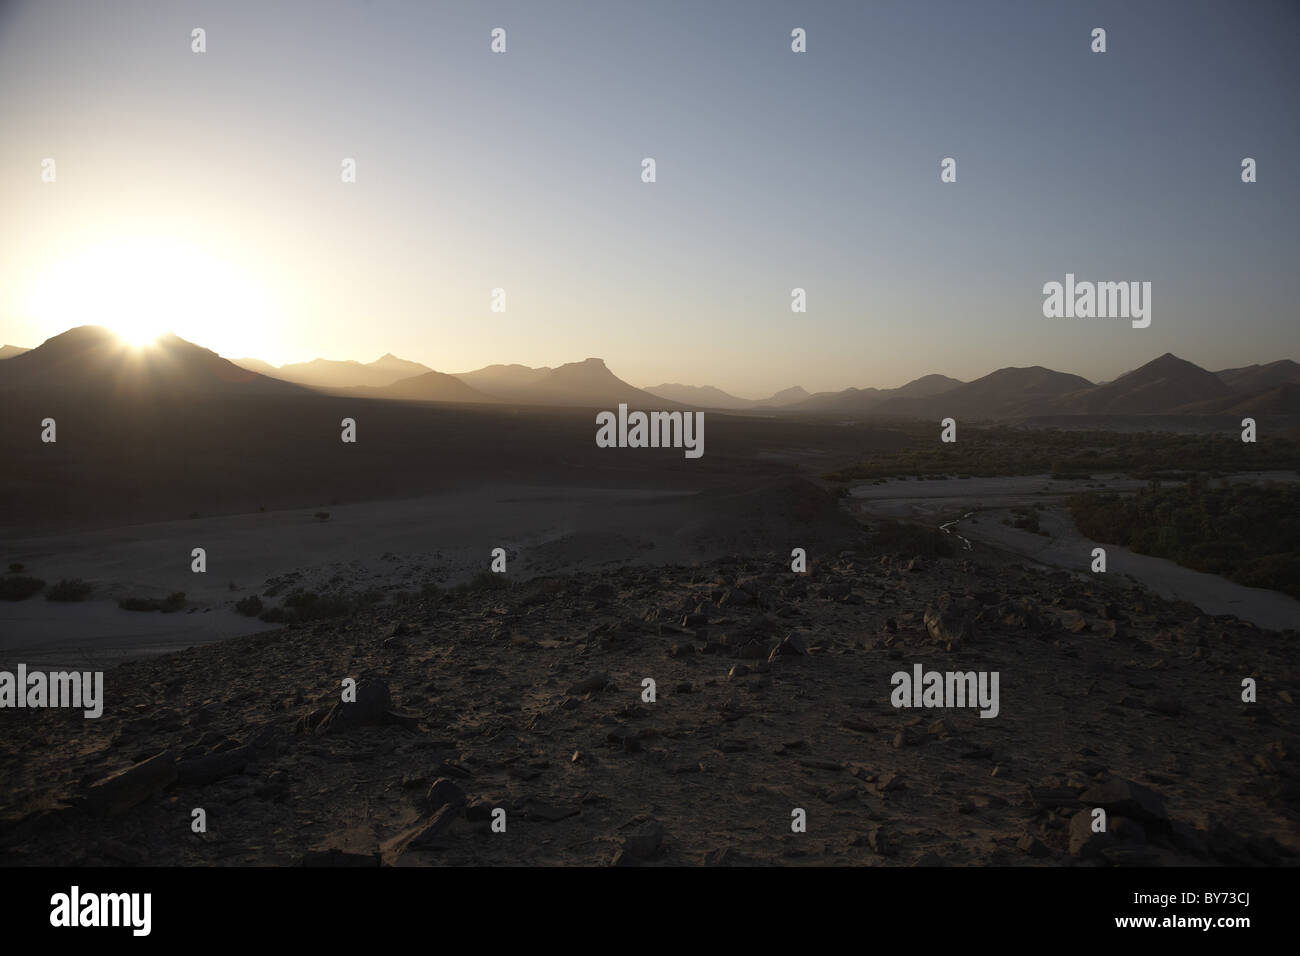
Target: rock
{"x":1127,"y":830}
{"x":371,"y":708}
{"x":880,"y":842}
{"x":539,"y":810}
{"x":946,"y":622}
{"x":1083,"y":841}
{"x":1127,"y":799}
{"x":209,"y":769}
{"x":589,"y":685}
{"x":121,"y":791}
{"x":1030,"y":844}
{"x":337,"y":857}
{"x":443,"y":793}
{"x":792,"y":646}
{"x":429,"y":834}
{"x":736,"y":597}
{"x":890,"y":782}
{"x":645,"y":841}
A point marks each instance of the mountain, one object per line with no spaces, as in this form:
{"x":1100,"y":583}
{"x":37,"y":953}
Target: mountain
{"x":1164,"y":384}
{"x":1280,"y":400}
{"x":788,"y":396}
{"x":1006,"y":393}
{"x":1254,"y":378}
{"x":700,"y":396}
{"x":92,"y":359}
{"x":9,"y":351}
{"x":861,"y":400}
{"x":503,"y":381}
{"x":329,"y":373}
{"x":925,"y":386}
{"x":429,"y":387}
{"x":588,"y":384}
{"x":257,"y":365}
{"x":403,"y":368}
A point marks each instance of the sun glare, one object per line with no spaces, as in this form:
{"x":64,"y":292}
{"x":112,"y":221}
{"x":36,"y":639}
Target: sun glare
{"x":143,"y":288}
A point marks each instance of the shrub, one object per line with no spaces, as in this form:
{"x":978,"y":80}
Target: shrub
{"x":250,"y":606}
{"x":171,"y":603}
{"x":19,"y":588}
{"x":69,"y":590}
{"x":16,"y":567}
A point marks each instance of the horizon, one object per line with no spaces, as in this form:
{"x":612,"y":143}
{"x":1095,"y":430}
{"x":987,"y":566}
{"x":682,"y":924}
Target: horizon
{"x":213,"y":203}
{"x":244,"y":358}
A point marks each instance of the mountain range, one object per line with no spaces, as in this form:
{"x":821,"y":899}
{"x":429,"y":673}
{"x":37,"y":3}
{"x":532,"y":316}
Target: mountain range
{"x":90,"y":358}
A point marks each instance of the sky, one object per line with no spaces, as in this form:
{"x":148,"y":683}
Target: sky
{"x":202,"y":192}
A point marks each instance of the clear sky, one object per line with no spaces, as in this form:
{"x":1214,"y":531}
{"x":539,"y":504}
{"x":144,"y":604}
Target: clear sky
{"x":203,"y":191}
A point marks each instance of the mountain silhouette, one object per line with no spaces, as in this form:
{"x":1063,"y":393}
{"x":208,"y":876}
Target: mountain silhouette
{"x":503,"y":381}
{"x":331,"y":373}
{"x":429,"y":387}
{"x":1165,"y":384}
{"x":588,"y":383}
{"x":93,"y":359}
{"x":1254,"y":378}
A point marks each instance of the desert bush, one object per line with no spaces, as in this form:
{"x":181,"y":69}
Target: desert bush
{"x":73,"y":589}
{"x":250,"y":606}
{"x":171,"y":603}
{"x":16,"y":588}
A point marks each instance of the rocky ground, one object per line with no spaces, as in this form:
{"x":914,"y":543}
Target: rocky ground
{"x":772,"y":693}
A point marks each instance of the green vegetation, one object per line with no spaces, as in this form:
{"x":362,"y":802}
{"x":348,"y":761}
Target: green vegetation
{"x":16,"y":588}
{"x":171,"y":603}
{"x":1003,"y":450}
{"x":73,"y":589}
{"x":1246,"y":532}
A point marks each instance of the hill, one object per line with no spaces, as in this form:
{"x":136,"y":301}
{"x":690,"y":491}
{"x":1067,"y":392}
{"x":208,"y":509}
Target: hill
{"x":91,"y":358}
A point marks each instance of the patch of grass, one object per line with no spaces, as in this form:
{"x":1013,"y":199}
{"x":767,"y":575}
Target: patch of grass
{"x":17,"y":588}
{"x":73,"y":589}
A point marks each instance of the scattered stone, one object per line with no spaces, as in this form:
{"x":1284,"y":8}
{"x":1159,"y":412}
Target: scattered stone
{"x":1125,"y":798}
{"x":589,"y":685}
{"x":121,"y":791}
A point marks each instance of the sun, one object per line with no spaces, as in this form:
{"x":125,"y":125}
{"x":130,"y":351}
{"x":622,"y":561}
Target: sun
{"x":142,"y":288}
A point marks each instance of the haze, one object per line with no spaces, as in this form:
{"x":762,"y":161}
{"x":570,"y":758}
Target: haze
{"x":202,"y":192}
